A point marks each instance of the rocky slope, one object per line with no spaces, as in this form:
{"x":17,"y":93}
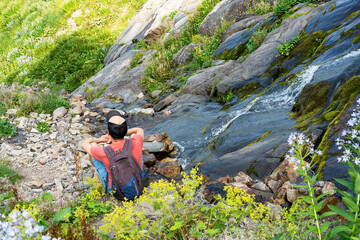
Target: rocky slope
{"x":314,"y":83}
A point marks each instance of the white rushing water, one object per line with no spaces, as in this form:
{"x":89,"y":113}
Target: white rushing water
{"x":284,"y":97}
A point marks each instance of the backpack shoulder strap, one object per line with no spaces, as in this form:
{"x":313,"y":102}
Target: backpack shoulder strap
{"x":128,"y":150}
{"x":110,"y":154}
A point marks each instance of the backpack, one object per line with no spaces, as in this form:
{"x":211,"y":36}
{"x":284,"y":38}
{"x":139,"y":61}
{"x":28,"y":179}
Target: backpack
{"x":125,"y":171}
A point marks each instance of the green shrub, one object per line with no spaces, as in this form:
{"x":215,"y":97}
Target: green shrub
{"x":42,"y":126}
{"x":6,"y":129}
{"x":260,"y":7}
{"x":286,"y":47}
{"x":6,"y":171}
{"x":285,"y":5}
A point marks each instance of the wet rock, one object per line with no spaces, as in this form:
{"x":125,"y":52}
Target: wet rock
{"x":158,"y":138}
{"x":149,"y":160}
{"x":243,"y":178}
{"x":170,"y":169}
{"x":214,"y":189}
{"x":184,"y":54}
{"x":164,"y":103}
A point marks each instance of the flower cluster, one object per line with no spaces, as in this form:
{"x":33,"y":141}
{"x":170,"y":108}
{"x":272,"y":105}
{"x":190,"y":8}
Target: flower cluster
{"x":300,"y":148}
{"x":20,"y":225}
{"x":350,"y":138}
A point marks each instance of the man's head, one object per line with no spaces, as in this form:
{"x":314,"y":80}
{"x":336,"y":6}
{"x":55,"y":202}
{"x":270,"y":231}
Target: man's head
{"x":117,"y":126}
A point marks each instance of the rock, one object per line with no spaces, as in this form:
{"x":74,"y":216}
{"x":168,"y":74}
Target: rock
{"x":74,"y":131}
{"x":291,"y":195}
{"x":224,"y":179}
{"x":59,"y":185}
{"x":169,"y":169}
{"x":330,"y":188}
{"x":167,"y":146}
{"x":149,"y":160}
{"x":260,"y":186}
{"x":35,"y":184}
{"x":146,"y":208}
{"x":243,"y":187}
{"x":23,"y":122}
{"x":214,"y":189}
{"x":48,"y":186}
{"x":53,"y":135}
{"x":153,"y":147}
{"x":226,"y":10}
{"x":42,"y":161}
{"x":248,"y":21}
{"x":257,"y":63}
{"x":77,"y":110}
{"x":10,"y":113}
{"x":156,"y":93}
{"x":15,"y":153}
{"x":149,"y":24}
{"x":200,"y":83}
{"x":273,"y":185}
{"x":164,"y":103}
{"x":184,"y":54}
{"x":275,"y":211}
{"x":243,"y":178}
{"x":279,"y":201}
{"x":236,"y":40}
{"x":281,"y":193}
{"x":34,"y":130}
{"x":287,"y":168}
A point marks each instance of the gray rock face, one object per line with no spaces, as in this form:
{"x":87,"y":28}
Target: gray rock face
{"x":183,"y":55}
{"x":107,"y":75}
{"x":201,"y":82}
{"x":262,"y":59}
{"x":148,"y":24}
{"x":333,"y":16}
{"x":124,"y":88}
{"x":228,"y":10}
{"x":248,"y":21}
{"x":236,"y":39}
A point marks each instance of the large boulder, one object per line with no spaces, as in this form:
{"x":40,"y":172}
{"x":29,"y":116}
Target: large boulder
{"x":183,"y":55}
{"x":228,"y":10}
{"x":203,"y":80}
{"x":162,"y":140}
{"x":149,"y":24}
{"x":107,"y":75}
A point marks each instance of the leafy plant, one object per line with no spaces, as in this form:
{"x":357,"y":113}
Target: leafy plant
{"x":42,"y":126}
{"x":5,"y":171}
{"x":260,"y":7}
{"x":6,"y":129}
{"x":286,"y":47}
{"x":350,"y":157}
{"x":301,"y":149}
{"x":285,"y":5}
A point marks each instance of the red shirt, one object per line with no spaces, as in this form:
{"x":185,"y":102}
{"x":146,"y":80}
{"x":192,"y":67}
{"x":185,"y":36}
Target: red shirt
{"x":99,"y":154}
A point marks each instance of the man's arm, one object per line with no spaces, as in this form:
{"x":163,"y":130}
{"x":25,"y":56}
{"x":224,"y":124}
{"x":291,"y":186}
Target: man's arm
{"x":132,"y":131}
{"x":87,"y":144}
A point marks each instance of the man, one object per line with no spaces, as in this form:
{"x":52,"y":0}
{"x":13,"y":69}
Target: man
{"x":117,"y":130}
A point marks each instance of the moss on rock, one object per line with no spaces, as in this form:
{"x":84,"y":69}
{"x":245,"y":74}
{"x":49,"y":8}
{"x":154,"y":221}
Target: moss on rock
{"x":310,"y":102}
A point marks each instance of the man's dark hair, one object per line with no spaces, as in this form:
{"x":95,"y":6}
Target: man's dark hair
{"x":116,"y":131}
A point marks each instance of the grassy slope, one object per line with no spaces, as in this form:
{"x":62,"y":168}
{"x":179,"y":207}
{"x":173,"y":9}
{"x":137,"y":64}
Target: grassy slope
{"x":46,"y":40}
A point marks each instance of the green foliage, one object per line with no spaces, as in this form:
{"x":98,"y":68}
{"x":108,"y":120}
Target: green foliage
{"x":172,"y":15}
{"x":284,"y":6}
{"x":6,"y":171}
{"x":256,"y":39}
{"x":286,"y":47}
{"x":42,"y":126}
{"x":44,"y":40}
{"x":224,"y":97}
{"x":356,"y":38}
{"x":260,"y":7}
{"x":135,"y":60}
{"x":6,"y":129}
{"x":159,"y":71}
{"x":27,"y":102}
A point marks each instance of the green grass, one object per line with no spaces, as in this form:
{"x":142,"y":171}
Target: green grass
{"x":284,"y":6}
{"x":6,"y":171}
{"x":46,"y":40}
{"x":6,"y":129}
